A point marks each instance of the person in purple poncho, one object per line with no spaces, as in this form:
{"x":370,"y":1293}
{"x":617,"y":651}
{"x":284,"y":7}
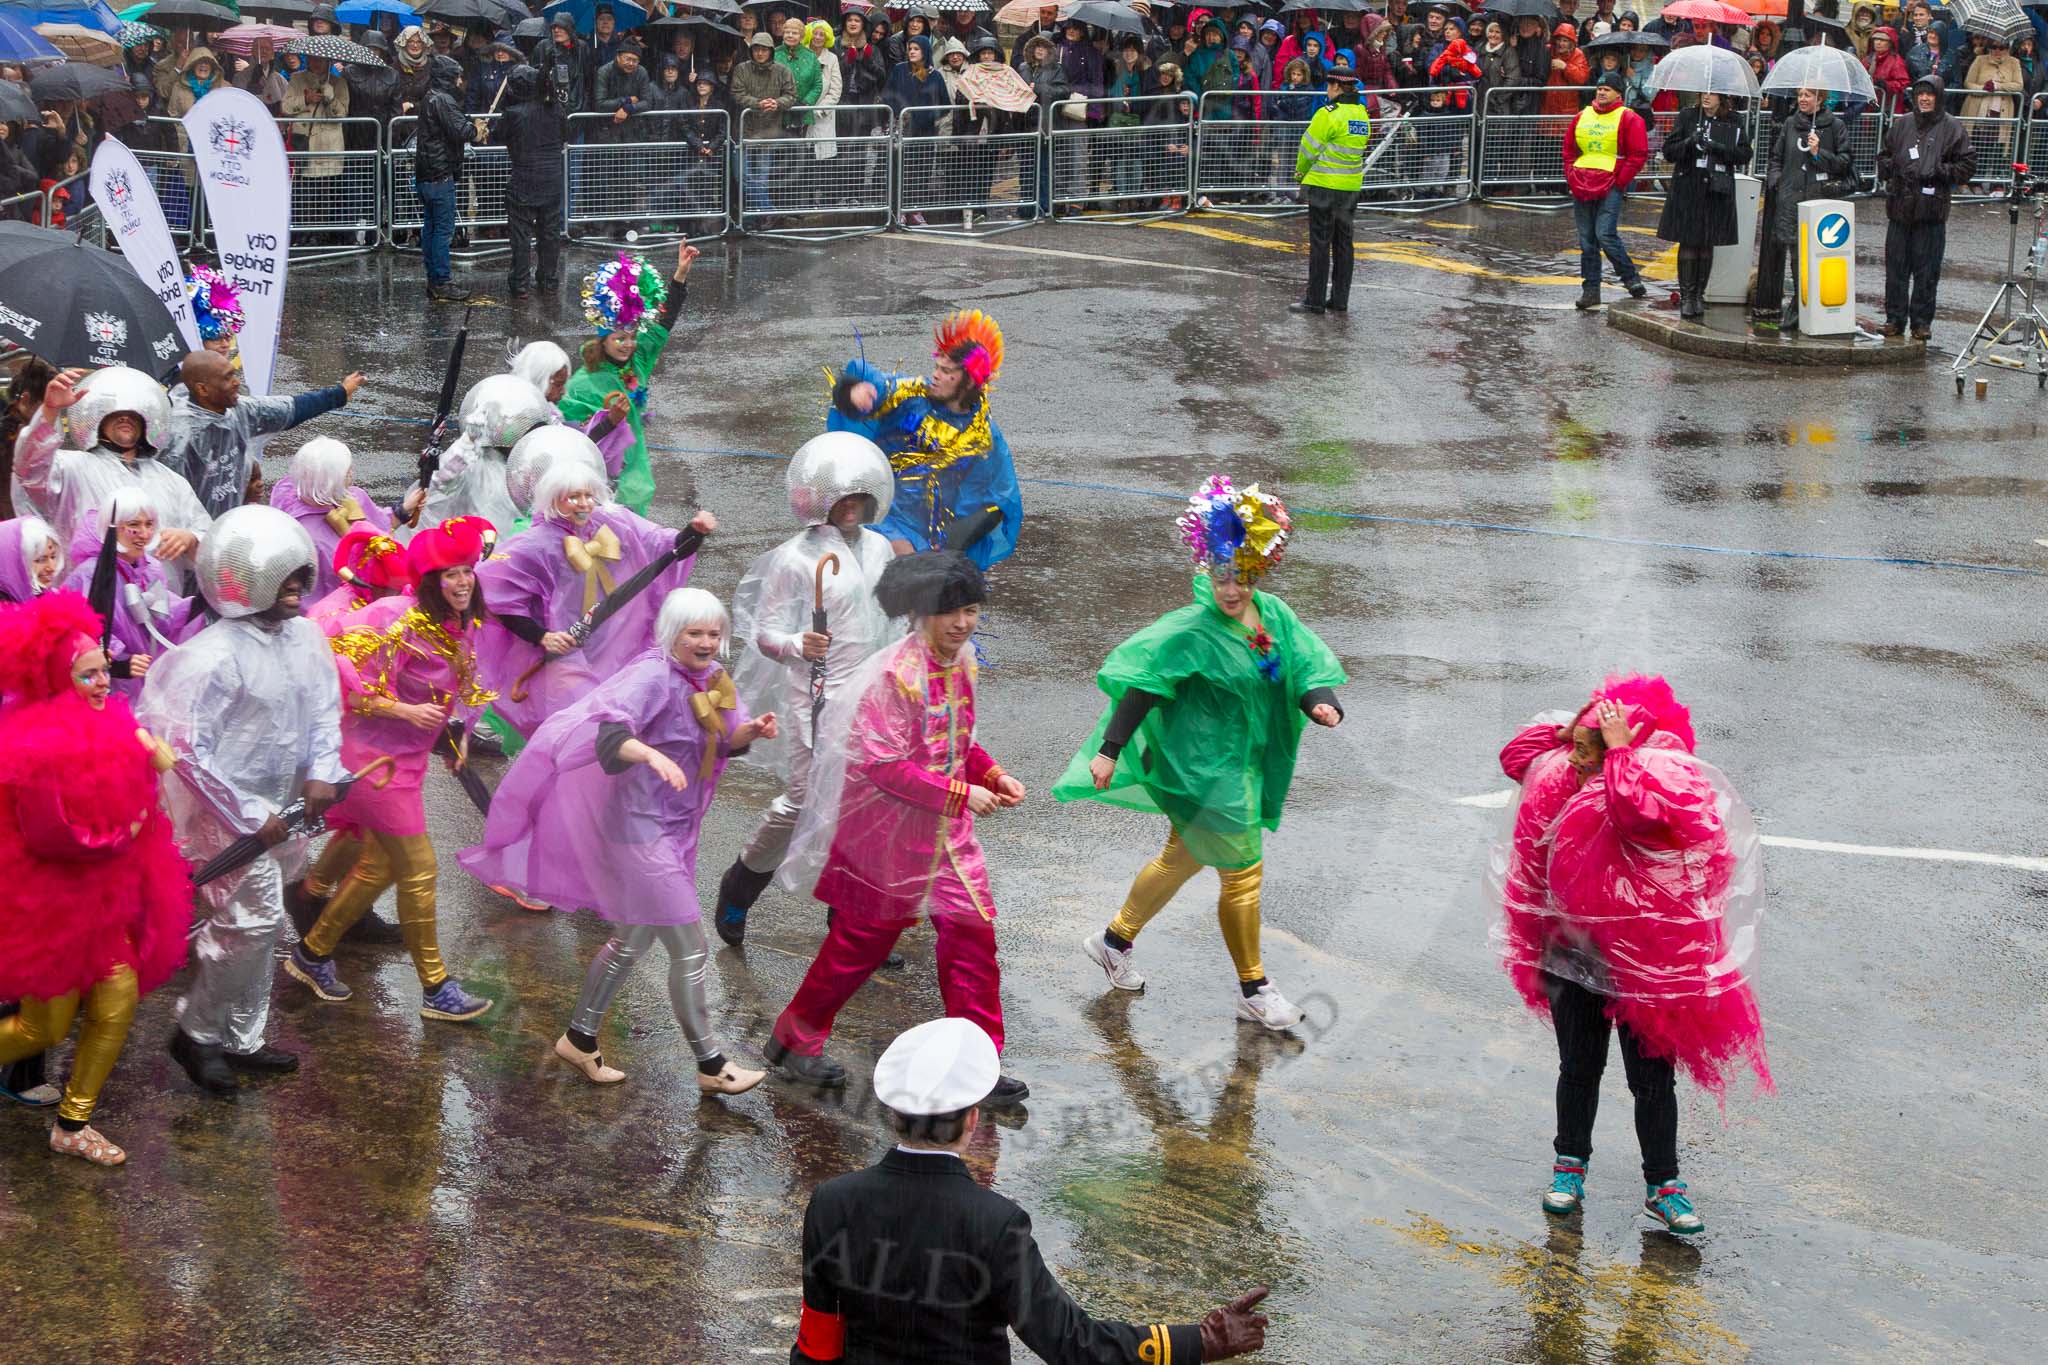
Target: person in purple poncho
{"x":602,"y":812}
{"x":147,"y":615}
{"x":320,"y":494}
{"x":407,"y":664}
{"x":31,"y":560}
{"x":580,"y":547}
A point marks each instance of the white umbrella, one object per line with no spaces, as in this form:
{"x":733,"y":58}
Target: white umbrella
{"x":1821,"y":68}
{"x":1703,"y":70}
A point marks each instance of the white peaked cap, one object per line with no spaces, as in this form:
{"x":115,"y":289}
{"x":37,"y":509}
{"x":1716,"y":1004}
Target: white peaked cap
{"x":937,"y":1068}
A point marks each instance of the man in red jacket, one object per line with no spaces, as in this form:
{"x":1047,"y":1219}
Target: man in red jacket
{"x":1605,"y":148}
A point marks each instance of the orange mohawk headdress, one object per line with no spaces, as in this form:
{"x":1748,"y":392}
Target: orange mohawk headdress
{"x":971,"y":332}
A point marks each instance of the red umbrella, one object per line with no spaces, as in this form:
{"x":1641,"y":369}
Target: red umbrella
{"x":1711,"y":11}
{"x":241,"y":39}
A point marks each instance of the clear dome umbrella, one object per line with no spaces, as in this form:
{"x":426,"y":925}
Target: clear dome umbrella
{"x":1703,"y":70}
{"x":1820,"y":68}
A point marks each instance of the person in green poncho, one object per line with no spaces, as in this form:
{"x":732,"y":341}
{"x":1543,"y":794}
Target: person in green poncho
{"x":632,"y":309}
{"x":1206,"y":709}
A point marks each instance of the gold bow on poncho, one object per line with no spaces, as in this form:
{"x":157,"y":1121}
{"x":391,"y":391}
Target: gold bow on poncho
{"x":588,"y":558}
{"x":344,"y":514}
{"x":710,"y":707}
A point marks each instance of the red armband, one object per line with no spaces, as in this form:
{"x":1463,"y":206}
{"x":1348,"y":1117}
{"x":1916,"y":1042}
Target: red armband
{"x":820,"y":1336}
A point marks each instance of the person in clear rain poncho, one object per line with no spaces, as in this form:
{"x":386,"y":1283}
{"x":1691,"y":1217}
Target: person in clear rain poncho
{"x":470,"y":479}
{"x":788,"y":664}
{"x":252,"y":710}
{"x":1630,"y":885}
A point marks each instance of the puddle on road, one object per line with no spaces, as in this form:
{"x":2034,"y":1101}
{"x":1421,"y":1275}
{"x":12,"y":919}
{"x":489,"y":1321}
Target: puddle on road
{"x":1582,"y":1307}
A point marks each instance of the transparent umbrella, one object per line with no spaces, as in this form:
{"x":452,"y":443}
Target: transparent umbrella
{"x":1704,"y":70}
{"x":1821,"y":68}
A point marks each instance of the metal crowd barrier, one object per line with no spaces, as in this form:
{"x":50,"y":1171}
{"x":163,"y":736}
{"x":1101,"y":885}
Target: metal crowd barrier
{"x":1134,"y":172}
{"x":816,"y":189}
{"x":1419,"y":160}
{"x":1866,"y":140}
{"x":82,"y":217}
{"x":664,"y":174}
{"x":1246,"y":166}
{"x":336,"y":195}
{"x":479,"y":193}
{"x":1521,"y":155}
{"x":21,"y":208}
{"x":175,"y":178}
{"x":1998,"y":143}
{"x":963,"y":177}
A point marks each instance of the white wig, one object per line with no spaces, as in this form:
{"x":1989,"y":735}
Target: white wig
{"x":567,"y":476}
{"x":538,"y":362}
{"x":686,"y":607}
{"x":320,"y":471}
{"x":35,"y":533}
{"x":127,"y":503}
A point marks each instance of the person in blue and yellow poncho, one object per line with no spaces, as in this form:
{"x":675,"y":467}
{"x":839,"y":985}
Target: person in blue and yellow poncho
{"x":956,"y":487}
{"x":1207,"y":706}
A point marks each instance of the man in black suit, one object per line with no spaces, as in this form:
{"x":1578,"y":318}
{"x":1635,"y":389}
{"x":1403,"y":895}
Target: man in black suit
{"x":912,"y":1260}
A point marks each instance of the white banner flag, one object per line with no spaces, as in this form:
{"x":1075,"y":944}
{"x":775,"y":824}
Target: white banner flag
{"x":249,"y":202}
{"x":120,"y":186}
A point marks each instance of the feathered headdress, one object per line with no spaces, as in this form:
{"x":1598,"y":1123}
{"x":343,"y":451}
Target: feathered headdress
{"x":618,"y":294}
{"x":973,"y":339}
{"x":216,"y":303}
{"x":38,"y":640}
{"x":1239,"y":527}
{"x":1644,"y":698}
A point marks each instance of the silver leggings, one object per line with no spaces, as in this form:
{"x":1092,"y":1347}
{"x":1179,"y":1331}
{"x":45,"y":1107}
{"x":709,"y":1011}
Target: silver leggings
{"x":687,"y":959}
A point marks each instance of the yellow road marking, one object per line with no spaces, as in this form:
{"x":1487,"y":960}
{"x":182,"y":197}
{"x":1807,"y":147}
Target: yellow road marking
{"x":1390,"y":253}
{"x":1455,"y":227}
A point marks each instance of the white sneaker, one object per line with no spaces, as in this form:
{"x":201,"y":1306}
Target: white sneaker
{"x":1115,"y":965}
{"x":1269,"y":1008}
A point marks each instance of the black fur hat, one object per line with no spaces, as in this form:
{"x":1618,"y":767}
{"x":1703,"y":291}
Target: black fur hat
{"x":929,"y":584}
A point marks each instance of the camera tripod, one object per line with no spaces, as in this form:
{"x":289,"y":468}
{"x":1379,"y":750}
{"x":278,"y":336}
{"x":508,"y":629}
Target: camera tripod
{"x":2019,"y":339}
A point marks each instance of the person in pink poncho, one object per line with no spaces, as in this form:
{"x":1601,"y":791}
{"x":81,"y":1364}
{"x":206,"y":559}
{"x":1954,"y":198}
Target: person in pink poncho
{"x":407,"y":663}
{"x":887,"y":831}
{"x":1631,"y":888}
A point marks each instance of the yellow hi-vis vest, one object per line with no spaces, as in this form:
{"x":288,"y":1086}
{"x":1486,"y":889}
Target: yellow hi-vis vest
{"x":1333,"y":148}
{"x":1599,"y":138}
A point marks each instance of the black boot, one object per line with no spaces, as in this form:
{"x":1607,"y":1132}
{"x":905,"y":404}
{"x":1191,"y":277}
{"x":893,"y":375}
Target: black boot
{"x":820,"y":1071}
{"x":264,"y":1061}
{"x":205,"y":1064}
{"x":738,"y":889}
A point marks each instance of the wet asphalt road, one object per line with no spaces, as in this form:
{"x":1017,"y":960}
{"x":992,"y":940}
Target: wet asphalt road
{"x":441,"y":1193}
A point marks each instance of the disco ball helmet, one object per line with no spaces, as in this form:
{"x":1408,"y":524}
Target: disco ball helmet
{"x":500,"y":409}
{"x":247,"y":557}
{"x":118,"y":389}
{"x":536,"y":451}
{"x":838,"y":465}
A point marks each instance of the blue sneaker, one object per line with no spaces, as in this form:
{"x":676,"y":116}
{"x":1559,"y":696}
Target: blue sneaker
{"x":1567,"y":1192}
{"x":449,"y":1001}
{"x":1668,"y":1204}
{"x":317,"y":975}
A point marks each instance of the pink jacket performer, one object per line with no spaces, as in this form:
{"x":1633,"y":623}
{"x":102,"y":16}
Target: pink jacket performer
{"x":1641,"y":881}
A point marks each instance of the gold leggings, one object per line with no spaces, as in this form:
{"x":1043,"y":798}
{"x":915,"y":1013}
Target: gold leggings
{"x":1237,"y":907}
{"x":332,"y":865}
{"x":408,"y":861}
{"x":42,"y":1024}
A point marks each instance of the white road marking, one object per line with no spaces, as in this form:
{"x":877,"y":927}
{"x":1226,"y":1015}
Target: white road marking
{"x":1067,"y":255}
{"x":1498,"y":800}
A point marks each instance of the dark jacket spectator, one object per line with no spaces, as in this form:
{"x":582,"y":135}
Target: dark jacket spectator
{"x":1800,"y":175}
{"x":532,"y":130}
{"x":566,"y":61}
{"x":373,"y":90}
{"x":918,"y":87}
{"x":1925,"y":157}
{"x":443,"y":128}
{"x":756,"y":81}
{"x":617,"y":90}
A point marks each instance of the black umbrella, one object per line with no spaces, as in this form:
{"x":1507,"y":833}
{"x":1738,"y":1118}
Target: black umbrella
{"x":192,"y":14}
{"x":74,"y":304}
{"x":472,"y":786}
{"x":696,"y":21}
{"x":15,"y":104}
{"x":497,"y":13}
{"x":250,"y":847}
{"x":1334,"y":6}
{"x":284,"y":11}
{"x":1992,"y":18}
{"x":75,"y":81}
{"x":530,"y":30}
{"x":1626,"y":40}
{"x":1105,"y":14}
{"x":713,"y":7}
{"x":1521,"y":9}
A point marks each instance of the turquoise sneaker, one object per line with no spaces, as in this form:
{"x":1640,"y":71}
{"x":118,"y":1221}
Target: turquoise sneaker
{"x":1668,"y":1204}
{"x":1567,"y":1192}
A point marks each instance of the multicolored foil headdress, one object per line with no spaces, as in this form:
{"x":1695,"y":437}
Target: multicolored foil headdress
{"x":618,"y":294}
{"x":977,"y":332}
{"x":216,"y":303}
{"x":1240,"y":528}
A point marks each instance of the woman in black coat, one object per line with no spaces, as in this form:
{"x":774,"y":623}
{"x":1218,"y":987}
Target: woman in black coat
{"x":1811,"y":160}
{"x":1706,"y":146}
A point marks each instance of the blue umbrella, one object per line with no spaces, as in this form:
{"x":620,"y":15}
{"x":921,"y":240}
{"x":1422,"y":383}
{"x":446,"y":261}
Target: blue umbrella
{"x":91,"y":14}
{"x":366,"y":12}
{"x":21,"y":43}
{"x":584,"y":13}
